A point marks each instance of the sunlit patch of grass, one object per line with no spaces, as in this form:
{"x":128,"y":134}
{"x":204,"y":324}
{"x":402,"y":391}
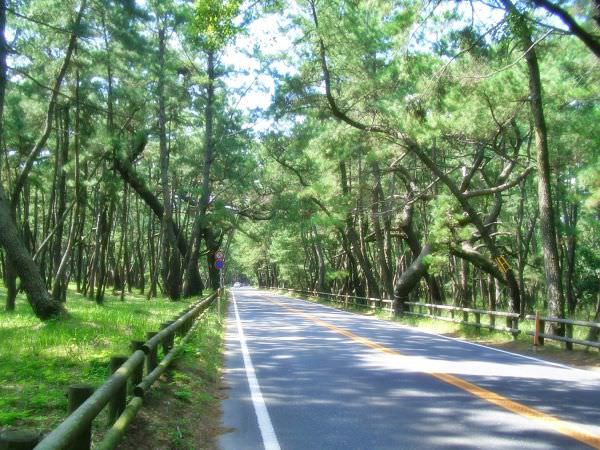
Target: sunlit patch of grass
{"x":39,"y":360}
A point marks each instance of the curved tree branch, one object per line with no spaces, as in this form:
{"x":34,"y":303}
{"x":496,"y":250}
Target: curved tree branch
{"x":499,"y":188}
{"x":591,"y":41}
{"x":37,"y":148}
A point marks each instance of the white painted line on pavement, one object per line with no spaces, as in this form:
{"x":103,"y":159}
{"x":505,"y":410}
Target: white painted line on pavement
{"x":260,"y":408}
{"x":450,"y":338}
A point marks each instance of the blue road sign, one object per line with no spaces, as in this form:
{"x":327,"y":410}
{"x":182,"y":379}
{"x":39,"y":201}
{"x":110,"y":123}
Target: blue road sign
{"x":219,"y":264}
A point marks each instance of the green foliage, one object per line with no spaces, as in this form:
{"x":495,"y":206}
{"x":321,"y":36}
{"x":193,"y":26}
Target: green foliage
{"x":214,"y":21}
{"x":39,"y":361}
{"x":333,"y":275}
{"x":590,"y":178}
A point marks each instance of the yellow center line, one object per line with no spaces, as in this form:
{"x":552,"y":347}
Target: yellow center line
{"x":567,"y":428}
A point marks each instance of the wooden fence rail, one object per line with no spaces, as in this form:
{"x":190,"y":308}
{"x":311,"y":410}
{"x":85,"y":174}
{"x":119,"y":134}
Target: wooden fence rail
{"x":74,"y":433}
{"x":539,"y":335}
{"x":348,"y":300}
{"x":513,"y":320}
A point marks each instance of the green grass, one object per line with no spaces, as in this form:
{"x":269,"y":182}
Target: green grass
{"x":182,"y":411}
{"x":39,"y":360}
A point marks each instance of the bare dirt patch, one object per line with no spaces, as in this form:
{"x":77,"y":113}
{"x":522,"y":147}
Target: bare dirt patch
{"x":181,"y":412}
{"x":582,"y":358}
{"x":183,"y":409}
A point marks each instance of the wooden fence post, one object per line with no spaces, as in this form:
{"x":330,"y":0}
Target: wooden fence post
{"x":138,"y":374}
{"x":478,"y":320}
{"x":152,"y":356}
{"x":117,"y":404}
{"x":184,"y":328}
{"x":77,"y":394}
{"x":19,"y":440}
{"x":569,"y":334}
{"x":536,"y":336}
{"x":169,"y":340}
{"x":515,"y":326}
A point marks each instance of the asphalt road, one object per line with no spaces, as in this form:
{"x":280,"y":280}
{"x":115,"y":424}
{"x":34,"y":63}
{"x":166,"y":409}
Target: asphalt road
{"x":306,"y":376}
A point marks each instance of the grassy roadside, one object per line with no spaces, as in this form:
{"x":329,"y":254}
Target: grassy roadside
{"x":551,"y":351}
{"x":38,"y":360}
{"x":183,"y":409}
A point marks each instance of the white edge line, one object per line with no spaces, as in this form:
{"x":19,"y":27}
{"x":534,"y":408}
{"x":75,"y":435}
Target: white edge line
{"x":532,"y":358}
{"x":260,"y":408}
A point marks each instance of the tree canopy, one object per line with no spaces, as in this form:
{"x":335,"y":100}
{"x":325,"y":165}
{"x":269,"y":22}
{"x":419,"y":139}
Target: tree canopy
{"x":442,"y":151}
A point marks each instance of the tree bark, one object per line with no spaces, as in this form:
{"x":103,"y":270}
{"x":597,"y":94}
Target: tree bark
{"x":354,"y":241}
{"x":37,"y":295}
{"x":192,"y":285}
{"x":555,"y":294}
{"x":134,"y":180}
{"x":171,"y":263}
{"x":376,"y":217}
{"x":17,"y":256}
{"x":321,"y":269}
{"x":62,"y":154}
{"x":592,"y":42}
{"x":570,"y":218}
{"x":409,"y":279}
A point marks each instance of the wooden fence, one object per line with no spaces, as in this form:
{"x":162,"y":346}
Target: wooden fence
{"x":74,"y":433}
{"x":512,"y":319}
{"x":468,"y":316}
{"x":539,"y":334}
{"x":347,"y":300}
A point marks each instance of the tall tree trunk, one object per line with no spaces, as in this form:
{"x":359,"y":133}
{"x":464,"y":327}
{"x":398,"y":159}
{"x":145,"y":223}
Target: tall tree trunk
{"x":103,"y":237}
{"x":570,"y":218}
{"x":409,"y":279}
{"x":140,"y":264}
{"x":171,"y":263}
{"x":62,"y":155}
{"x":212,"y":246}
{"x":153,"y":260}
{"x":466,"y":294}
{"x":320,"y":286}
{"x":556,"y":301}
{"x":37,"y":295}
{"x":192,"y":285}
{"x":10,"y":273}
{"x":124,"y":244}
{"x":377,"y":212}
{"x":17,"y":255}
{"x":60,"y":279}
{"x":354,"y":240}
